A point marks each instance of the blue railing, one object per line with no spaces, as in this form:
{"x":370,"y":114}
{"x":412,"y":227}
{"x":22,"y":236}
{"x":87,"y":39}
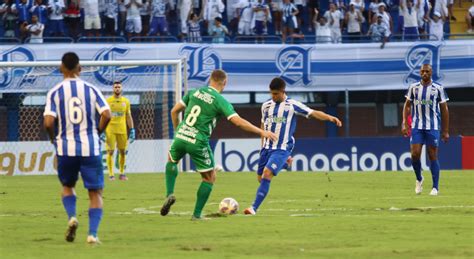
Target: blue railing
{"x":267,"y":39}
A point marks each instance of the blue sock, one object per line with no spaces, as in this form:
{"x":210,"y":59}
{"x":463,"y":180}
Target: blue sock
{"x":95,"y":215}
{"x":261,"y":193}
{"x":434,"y":167}
{"x":69,"y":203}
{"x":417,"y":167}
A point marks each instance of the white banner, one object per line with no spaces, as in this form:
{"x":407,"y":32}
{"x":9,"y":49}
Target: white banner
{"x":321,"y":67}
{"x":39,"y":157}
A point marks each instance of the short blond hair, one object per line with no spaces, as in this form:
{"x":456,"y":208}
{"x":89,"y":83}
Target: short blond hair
{"x":218,"y":76}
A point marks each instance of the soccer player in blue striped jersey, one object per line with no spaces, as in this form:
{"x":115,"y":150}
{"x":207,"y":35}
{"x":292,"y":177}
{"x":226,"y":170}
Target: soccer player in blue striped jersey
{"x":426,"y":101}
{"x":279,"y":117}
{"x":73,"y":127}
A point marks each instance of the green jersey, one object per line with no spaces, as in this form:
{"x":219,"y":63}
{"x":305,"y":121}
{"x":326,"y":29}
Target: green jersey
{"x":204,"y":106}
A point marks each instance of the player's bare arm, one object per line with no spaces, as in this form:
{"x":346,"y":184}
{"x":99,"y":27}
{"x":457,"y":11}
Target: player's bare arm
{"x":406,"y":112}
{"x":130,"y":124}
{"x":48,"y":123}
{"x":444,"y":121}
{"x":247,"y":126}
{"x":177,"y":109}
{"x":319,"y":115}
{"x":105,"y":117}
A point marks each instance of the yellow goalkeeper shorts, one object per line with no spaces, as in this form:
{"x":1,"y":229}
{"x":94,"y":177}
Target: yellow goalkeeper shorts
{"x":113,"y":139}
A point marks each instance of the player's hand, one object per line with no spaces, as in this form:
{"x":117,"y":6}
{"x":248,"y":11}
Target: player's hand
{"x":269,"y":135}
{"x":336,"y":121}
{"x":405,"y":130}
{"x":445,"y":136}
{"x":102,"y":137}
{"x":131,"y":137}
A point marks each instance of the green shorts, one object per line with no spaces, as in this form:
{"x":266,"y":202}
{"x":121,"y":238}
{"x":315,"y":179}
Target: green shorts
{"x":200,"y":154}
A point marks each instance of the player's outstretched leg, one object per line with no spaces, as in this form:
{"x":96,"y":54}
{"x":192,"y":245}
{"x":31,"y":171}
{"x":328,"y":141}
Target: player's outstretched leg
{"x":69,"y":203}
{"x":170,"y":177}
{"x":95,"y":215}
{"x":203,"y":193}
{"x":262,"y":192}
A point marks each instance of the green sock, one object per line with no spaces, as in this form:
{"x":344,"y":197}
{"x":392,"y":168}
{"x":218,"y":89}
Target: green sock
{"x":203,"y":193}
{"x":171,"y":174}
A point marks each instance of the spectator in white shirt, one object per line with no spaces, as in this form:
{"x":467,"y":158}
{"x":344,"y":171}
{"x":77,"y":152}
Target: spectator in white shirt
{"x":353,"y":19}
{"x":185,"y":8}
{"x":386,"y":18}
{"x":56,"y":10}
{"x":441,"y":6}
{"x":423,"y":8}
{"x":212,"y":9}
{"x":334,"y":17}
{"x":246,"y":14}
{"x":470,"y":19}
{"x":322,"y":29}
{"x":379,"y":31}
{"x":91,"y":17}
{"x":35,"y":30}
{"x":134,"y":21}
{"x":436,"y":27}
{"x":410,"y":20}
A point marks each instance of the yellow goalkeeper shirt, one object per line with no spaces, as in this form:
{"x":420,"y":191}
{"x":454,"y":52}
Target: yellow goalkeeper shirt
{"x":120,"y":108}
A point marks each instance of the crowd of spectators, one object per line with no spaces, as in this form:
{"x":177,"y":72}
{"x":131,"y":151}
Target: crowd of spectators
{"x":191,"y":20}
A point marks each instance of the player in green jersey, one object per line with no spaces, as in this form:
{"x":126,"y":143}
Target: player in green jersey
{"x":202,"y":108}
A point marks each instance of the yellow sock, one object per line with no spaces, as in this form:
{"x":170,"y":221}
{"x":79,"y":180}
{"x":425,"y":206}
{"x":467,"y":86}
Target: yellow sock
{"x":122,"y":163}
{"x":110,"y":164}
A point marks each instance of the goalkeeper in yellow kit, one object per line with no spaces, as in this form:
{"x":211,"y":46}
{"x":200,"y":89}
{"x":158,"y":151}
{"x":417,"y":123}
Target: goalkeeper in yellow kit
{"x":116,"y":132}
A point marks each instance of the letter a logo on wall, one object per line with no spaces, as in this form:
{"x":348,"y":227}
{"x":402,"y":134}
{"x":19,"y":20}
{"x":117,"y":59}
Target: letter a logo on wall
{"x":15,"y":77}
{"x":202,"y":60}
{"x":294,"y":65}
{"x":107,"y":75}
{"x":419,"y":55}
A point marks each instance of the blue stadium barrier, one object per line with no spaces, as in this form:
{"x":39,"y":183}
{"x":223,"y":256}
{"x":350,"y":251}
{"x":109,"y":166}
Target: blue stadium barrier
{"x":210,"y":39}
{"x":154,"y":39}
{"x":102,"y":39}
{"x":8,"y":41}
{"x":53,"y":40}
{"x":266,"y":39}
{"x":412,"y":37}
{"x":459,"y":36}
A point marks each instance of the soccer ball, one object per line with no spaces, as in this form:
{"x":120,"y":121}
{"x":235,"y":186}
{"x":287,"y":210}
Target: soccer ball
{"x":228,"y":206}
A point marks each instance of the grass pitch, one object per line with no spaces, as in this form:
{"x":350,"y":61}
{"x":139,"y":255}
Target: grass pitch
{"x":344,"y":215}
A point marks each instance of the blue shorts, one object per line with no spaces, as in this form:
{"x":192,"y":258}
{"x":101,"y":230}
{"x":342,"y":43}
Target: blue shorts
{"x":290,"y":22}
{"x":56,"y":26}
{"x":91,"y":169}
{"x":275,"y":160}
{"x":259,"y":27}
{"x":427,"y":137}
{"x":158,"y":25}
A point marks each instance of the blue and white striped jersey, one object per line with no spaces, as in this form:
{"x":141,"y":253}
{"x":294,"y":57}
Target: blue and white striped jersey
{"x":425,"y":105}
{"x":280,"y":119}
{"x":77,"y":106}
{"x":288,"y":10}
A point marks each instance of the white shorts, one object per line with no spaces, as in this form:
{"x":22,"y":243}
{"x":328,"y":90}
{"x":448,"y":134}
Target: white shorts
{"x":244,"y":28}
{"x":91,"y":23}
{"x":134,"y":25}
